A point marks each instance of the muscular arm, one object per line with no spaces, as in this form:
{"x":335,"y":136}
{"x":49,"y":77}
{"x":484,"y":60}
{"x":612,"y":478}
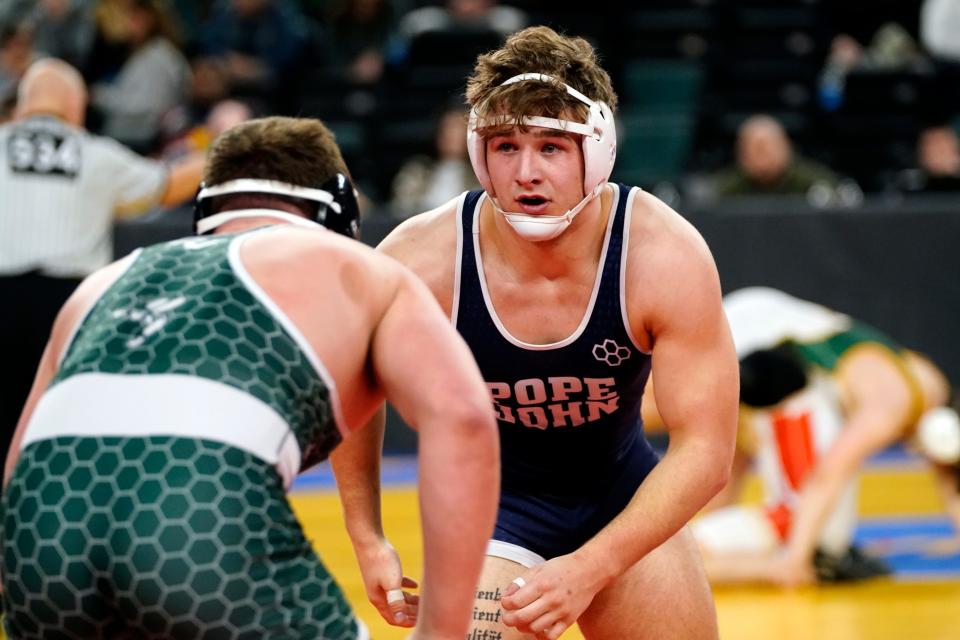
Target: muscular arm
{"x":356,"y":465}
{"x":356,"y":462}
{"x":429,"y":375}
{"x":696,"y":387}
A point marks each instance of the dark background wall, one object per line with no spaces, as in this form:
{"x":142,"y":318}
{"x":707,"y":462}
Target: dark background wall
{"x":892,"y":263}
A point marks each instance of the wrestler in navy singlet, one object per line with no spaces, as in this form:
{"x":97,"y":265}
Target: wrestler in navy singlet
{"x":572,"y":446}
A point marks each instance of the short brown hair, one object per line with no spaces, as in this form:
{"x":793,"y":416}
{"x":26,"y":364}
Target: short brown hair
{"x":571,"y":60}
{"x":298,"y":151}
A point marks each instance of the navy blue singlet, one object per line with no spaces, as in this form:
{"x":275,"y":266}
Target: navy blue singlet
{"x":572,"y":446}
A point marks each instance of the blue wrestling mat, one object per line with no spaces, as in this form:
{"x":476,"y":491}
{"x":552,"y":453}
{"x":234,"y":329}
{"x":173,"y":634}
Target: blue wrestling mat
{"x":395,"y":470}
{"x":909,"y":546}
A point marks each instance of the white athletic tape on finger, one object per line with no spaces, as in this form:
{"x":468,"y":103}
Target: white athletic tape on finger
{"x":520,"y":582}
{"x":395,"y":595}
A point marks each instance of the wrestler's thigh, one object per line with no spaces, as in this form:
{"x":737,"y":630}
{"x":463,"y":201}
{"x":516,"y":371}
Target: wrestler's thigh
{"x":487,"y":614}
{"x":664,"y":596}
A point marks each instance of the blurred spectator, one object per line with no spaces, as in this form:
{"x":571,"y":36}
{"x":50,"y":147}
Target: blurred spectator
{"x":463,"y":14}
{"x":938,"y":162}
{"x":768,"y":165}
{"x":479,"y":25}
{"x":16,"y":54}
{"x":425,"y":182}
{"x":210,"y":82}
{"x":223,"y":116}
{"x":361,"y":30}
{"x":63,"y":29}
{"x":61,"y":189}
{"x":939,"y":28}
{"x":153,"y":80}
{"x":258,"y":40}
{"x":111,"y":42}
{"x":192,"y":15}
{"x":892,"y":48}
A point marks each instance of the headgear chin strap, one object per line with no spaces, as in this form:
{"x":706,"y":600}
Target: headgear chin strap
{"x":599,"y":153}
{"x":337,"y":207}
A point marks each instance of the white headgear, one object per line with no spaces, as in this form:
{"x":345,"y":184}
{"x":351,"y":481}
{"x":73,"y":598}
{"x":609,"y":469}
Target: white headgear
{"x":939,"y":435}
{"x":599,"y":153}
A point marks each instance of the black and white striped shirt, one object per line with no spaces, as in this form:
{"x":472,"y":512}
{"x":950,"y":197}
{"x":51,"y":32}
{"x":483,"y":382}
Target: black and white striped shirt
{"x":60,"y":188}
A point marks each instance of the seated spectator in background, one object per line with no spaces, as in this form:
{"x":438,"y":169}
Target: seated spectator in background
{"x":892,"y":48}
{"x":111,"y":46}
{"x":463,"y":14}
{"x":63,"y":29}
{"x":258,"y":40}
{"x":425,"y":182}
{"x":361,"y":30}
{"x":768,"y":165}
{"x":938,"y":162}
{"x":153,"y":80}
{"x":16,"y":54}
{"x":224,"y":115}
{"x":485,"y":18}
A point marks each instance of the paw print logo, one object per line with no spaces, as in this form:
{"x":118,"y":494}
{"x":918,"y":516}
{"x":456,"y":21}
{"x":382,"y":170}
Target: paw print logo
{"x":611,"y":353}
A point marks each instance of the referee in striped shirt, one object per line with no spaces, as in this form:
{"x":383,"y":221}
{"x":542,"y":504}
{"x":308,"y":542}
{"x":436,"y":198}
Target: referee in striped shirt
{"x":60,"y":190}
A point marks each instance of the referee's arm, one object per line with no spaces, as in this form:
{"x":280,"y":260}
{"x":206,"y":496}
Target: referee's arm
{"x":179,"y":184}
{"x":183,"y":179}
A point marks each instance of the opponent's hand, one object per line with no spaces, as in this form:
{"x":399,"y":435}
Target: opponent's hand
{"x":385,"y":583}
{"x":550,"y":597}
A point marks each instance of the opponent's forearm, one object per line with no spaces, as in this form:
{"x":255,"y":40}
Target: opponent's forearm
{"x":459,"y":487}
{"x":692,"y":471}
{"x":866,"y":432}
{"x":356,"y":465}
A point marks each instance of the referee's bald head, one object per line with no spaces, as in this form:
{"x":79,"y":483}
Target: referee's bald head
{"x":51,"y":86}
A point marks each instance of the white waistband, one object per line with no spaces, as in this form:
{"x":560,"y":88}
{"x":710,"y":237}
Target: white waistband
{"x":102,"y":404}
{"x":514,"y":552}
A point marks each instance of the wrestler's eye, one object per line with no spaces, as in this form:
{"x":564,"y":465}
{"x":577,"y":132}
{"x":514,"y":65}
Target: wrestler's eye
{"x":505,"y":146}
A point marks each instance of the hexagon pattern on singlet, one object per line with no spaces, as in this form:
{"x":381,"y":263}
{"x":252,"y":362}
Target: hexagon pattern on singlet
{"x":159,"y":537}
{"x":173,"y":537}
{"x":180,"y":309}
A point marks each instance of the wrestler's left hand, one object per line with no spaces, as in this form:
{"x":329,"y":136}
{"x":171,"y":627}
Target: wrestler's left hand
{"x":549,"y":598}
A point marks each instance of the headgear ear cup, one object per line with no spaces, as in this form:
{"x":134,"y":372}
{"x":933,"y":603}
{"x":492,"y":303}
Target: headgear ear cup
{"x":346,"y":221}
{"x":599,"y":154}
{"x":201,"y":206}
{"x":477,"y":153}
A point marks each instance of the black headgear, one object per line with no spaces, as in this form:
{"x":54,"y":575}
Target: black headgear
{"x":767,"y":376}
{"x":337,"y":207}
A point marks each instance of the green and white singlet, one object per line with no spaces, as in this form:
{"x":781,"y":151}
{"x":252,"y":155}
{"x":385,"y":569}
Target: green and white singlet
{"x":149,"y":500}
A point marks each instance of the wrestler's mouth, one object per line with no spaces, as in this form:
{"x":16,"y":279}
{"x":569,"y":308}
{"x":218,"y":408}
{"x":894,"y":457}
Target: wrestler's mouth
{"x":533,"y":203}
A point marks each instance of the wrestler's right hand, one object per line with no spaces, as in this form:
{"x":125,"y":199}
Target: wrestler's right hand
{"x":386,"y":585}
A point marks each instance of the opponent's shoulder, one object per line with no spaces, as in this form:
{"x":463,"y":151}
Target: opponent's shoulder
{"x":427,"y":245}
{"x":424,"y":235}
{"x":320,"y":250}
